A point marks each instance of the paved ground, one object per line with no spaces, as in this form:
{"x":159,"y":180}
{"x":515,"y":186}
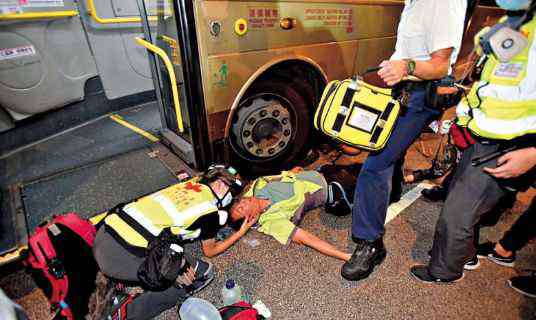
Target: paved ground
{"x":297,"y":283}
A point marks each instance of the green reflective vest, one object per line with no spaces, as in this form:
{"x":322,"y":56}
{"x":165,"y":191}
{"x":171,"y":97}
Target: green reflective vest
{"x":176,"y":207}
{"x":493,"y":108}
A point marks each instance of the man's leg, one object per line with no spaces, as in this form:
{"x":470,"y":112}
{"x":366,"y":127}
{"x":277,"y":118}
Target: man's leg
{"x":472,"y":193}
{"x":522,"y":231}
{"x":117,"y":263}
{"x":374,"y":183}
{"x":371,"y":196}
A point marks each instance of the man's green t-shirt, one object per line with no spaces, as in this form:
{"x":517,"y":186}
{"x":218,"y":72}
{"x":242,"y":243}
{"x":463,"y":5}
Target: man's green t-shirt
{"x":287,"y":196}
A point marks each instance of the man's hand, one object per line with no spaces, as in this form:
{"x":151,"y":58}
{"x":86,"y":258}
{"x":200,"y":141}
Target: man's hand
{"x":187,"y":278}
{"x":392,"y":72}
{"x":296,"y":170}
{"x":514,"y":163}
{"x":248,"y":222}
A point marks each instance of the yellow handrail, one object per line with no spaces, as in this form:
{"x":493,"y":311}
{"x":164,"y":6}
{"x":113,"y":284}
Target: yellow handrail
{"x":92,"y":11}
{"x":169,"y":66}
{"x":39,"y":15}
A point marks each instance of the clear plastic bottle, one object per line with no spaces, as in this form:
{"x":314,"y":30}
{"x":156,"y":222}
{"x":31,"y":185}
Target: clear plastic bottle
{"x":198,"y":309}
{"x":231,"y":293}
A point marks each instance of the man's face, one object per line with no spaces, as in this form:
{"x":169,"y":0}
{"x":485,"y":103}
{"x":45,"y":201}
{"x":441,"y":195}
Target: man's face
{"x":245,"y":207}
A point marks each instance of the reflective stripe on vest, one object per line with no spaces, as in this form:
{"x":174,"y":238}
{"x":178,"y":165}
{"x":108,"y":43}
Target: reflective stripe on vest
{"x":176,"y":207}
{"x":495,"y":118}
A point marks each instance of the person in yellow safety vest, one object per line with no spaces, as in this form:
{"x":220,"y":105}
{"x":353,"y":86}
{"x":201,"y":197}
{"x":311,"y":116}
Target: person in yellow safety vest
{"x":190,"y":210}
{"x":280,"y":202}
{"x":500,"y":112}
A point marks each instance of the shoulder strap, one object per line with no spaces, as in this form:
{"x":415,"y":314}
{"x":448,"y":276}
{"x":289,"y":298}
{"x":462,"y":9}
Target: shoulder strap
{"x":80,"y":226}
{"x":43,"y":256}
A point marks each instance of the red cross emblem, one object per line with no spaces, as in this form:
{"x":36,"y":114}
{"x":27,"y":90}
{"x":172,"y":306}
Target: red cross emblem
{"x":195,"y":187}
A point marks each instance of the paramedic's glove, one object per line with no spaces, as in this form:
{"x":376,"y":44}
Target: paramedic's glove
{"x":514,"y":164}
{"x":478,"y":47}
{"x":392,"y":72}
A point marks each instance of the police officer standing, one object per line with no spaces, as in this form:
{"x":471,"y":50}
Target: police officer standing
{"x":500,"y":111}
{"x":428,"y":41}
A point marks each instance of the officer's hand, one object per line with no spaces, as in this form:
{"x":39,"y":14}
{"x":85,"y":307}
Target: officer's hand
{"x":514,"y":163}
{"x":186,"y":278}
{"x":392,"y":72}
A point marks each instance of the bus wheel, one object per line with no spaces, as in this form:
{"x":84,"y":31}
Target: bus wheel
{"x":271,"y":127}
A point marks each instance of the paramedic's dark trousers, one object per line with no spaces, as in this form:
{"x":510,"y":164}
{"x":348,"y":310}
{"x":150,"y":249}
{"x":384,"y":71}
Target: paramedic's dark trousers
{"x":373,"y":189}
{"x":117,"y":263}
{"x":472,"y":193}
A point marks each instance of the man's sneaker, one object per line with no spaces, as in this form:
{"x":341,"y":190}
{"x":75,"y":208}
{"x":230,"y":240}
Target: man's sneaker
{"x":366,"y":256}
{"x":472,"y":264}
{"x":338,"y":203}
{"x":525,"y":285}
{"x":420,"y":272}
{"x":487,"y":250}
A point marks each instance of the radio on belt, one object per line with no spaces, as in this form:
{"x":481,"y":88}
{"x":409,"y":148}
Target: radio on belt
{"x":241,"y":26}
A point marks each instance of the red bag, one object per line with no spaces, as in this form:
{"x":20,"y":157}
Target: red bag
{"x":60,"y":259}
{"x":240,"y":311}
{"x":461,"y":137}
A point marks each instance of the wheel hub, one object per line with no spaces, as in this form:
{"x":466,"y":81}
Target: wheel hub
{"x":267,"y":130}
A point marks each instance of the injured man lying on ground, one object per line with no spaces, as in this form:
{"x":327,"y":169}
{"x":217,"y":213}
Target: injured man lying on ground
{"x":280,"y":203}
{"x":141,"y":243}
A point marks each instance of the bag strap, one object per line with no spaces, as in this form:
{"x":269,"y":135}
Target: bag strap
{"x":80,"y":226}
{"x":381,"y":124}
{"x":43,"y":256}
{"x":345,"y":107}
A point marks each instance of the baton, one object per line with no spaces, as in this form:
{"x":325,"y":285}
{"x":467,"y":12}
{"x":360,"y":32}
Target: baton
{"x":490,"y":156}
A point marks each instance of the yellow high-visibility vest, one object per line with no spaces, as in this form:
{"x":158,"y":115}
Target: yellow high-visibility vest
{"x":492,"y":109}
{"x":176,"y":207}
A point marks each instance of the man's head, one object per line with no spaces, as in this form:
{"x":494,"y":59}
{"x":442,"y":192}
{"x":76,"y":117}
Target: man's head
{"x":246,"y":207}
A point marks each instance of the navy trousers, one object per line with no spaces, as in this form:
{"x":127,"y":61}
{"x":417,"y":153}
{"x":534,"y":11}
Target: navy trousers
{"x":371,"y":196}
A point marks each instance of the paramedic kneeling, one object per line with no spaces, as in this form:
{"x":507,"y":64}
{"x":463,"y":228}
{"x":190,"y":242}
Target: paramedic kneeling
{"x":500,"y":111}
{"x":140,"y":243}
{"x":428,"y":42}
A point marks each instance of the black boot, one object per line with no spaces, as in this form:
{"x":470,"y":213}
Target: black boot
{"x":366,"y":256}
{"x":438,"y":193}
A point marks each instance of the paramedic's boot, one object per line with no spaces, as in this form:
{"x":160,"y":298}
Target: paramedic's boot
{"x":366,"y":256}
{"x":338,"y":203}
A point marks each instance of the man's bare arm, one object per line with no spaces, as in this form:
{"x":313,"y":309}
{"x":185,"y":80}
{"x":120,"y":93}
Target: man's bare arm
{"x":212,"y":248}
{"x":392,"y":72}
{"x":305,"y":238}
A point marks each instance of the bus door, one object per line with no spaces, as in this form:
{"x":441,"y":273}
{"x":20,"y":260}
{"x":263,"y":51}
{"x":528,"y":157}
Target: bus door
{"x":170,"y":39}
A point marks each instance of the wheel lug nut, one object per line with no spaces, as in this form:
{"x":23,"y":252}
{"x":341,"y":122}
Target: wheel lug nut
{"x":259,"y":151}
{"x":263,"y":113}
{"x":250,"y":144}
{"x":275,"y":113}
{"x":271,"y":151}
{"x":285,"y":121}
{"x":281,"y":144}
{"x":247,"y":133}
{"x":286,"y":133}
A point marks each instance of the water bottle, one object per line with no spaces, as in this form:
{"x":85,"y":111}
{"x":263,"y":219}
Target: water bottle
{"x":231,"y":293}
{"x":198,"y":309}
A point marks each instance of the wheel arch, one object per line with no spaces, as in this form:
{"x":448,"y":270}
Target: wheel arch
{"x":265,"y":70}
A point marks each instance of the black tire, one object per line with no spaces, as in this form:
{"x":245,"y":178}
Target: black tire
{"x":259,"y":140}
